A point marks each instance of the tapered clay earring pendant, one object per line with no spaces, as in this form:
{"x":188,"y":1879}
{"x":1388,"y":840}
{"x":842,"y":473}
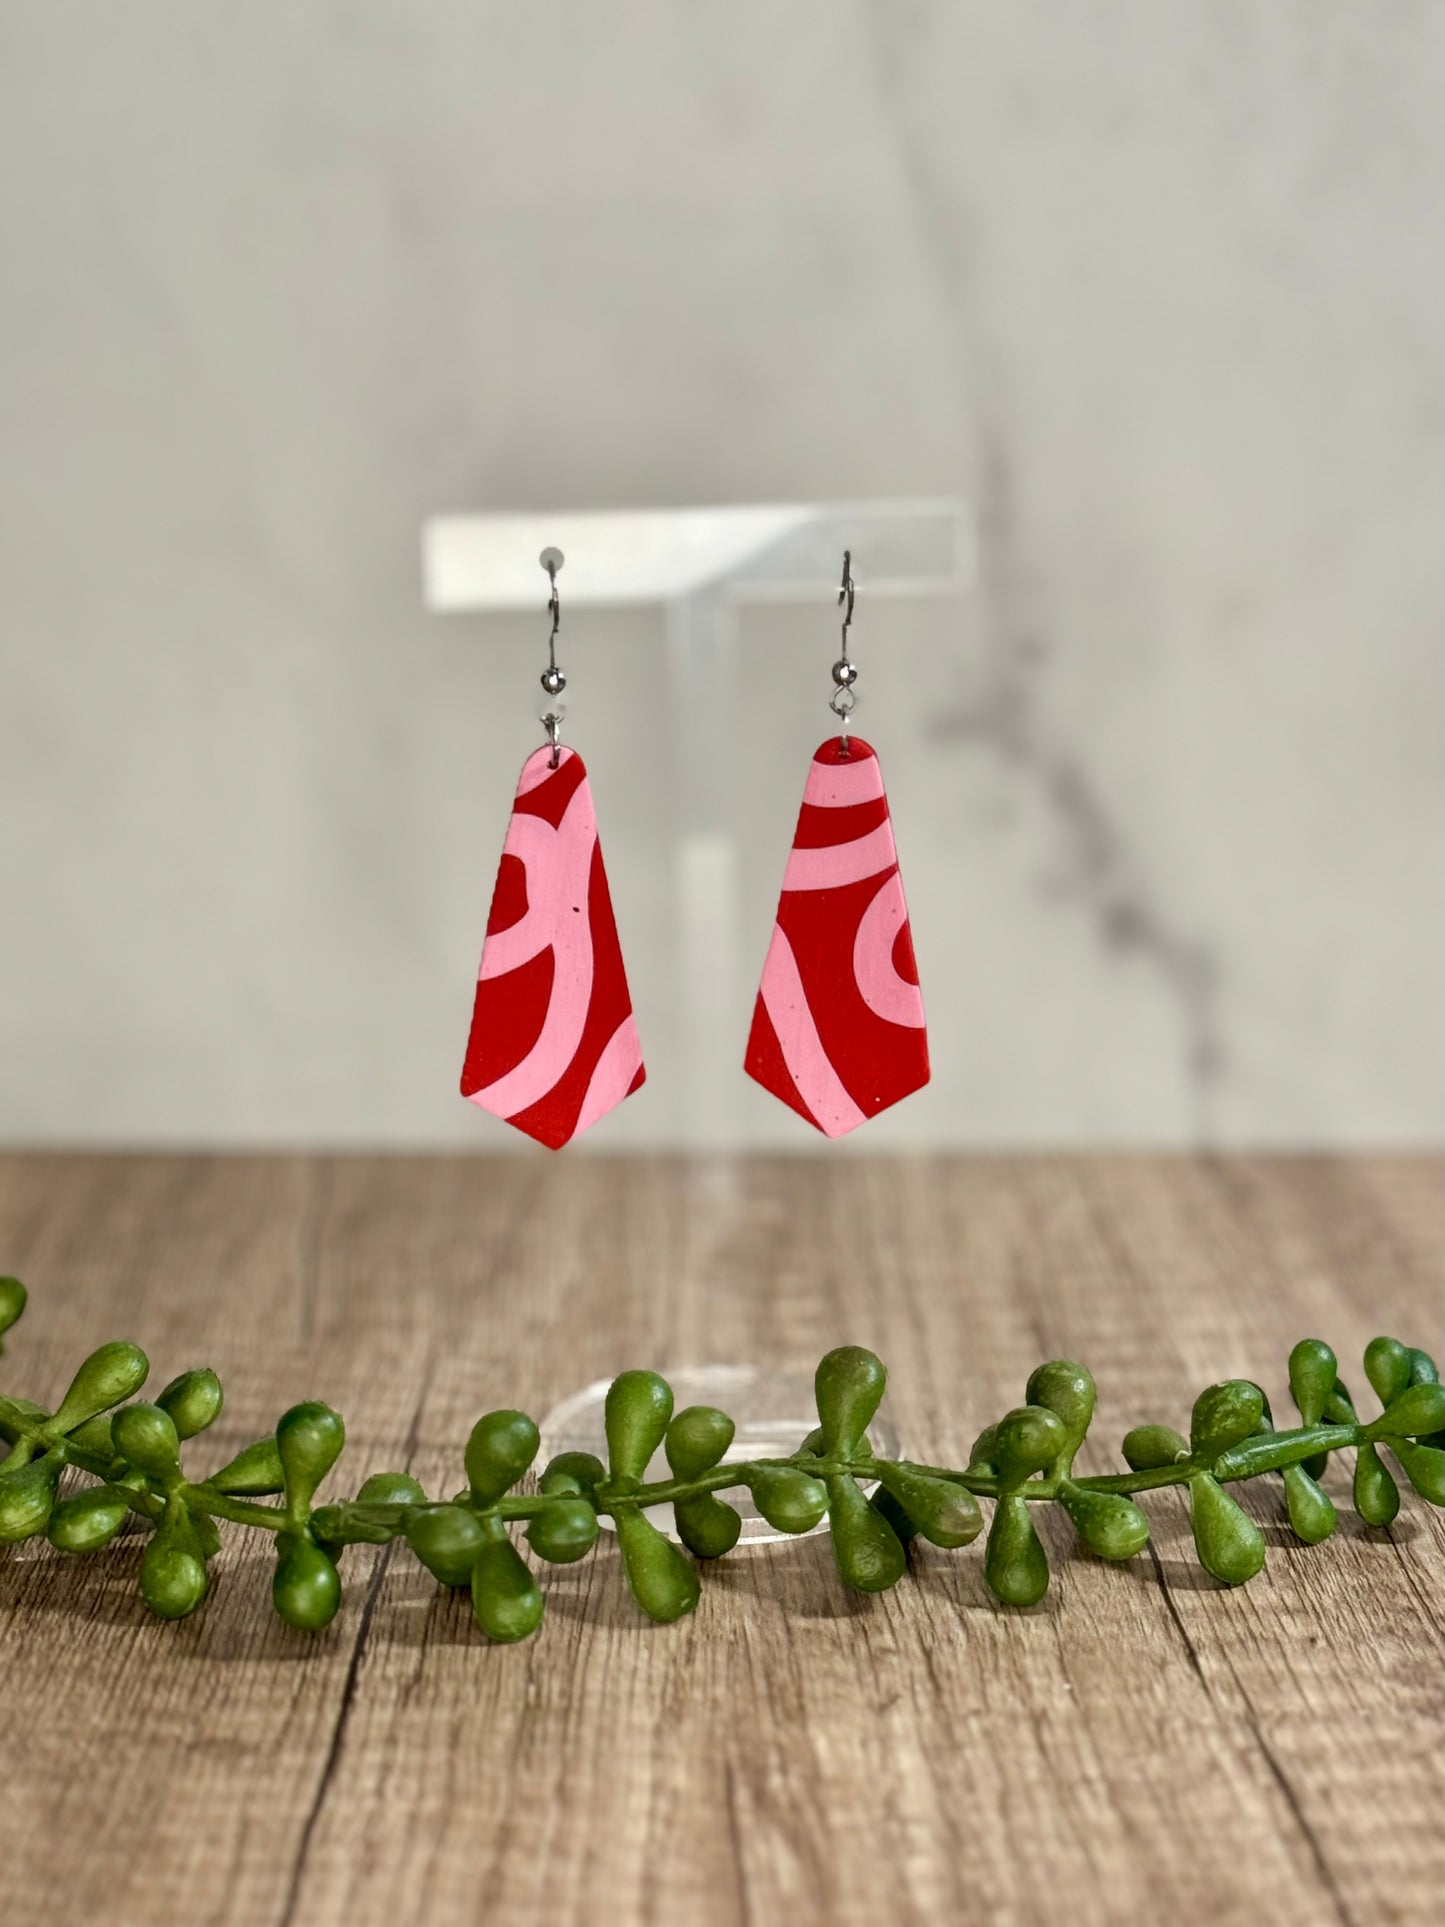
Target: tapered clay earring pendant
{"x":553,"y":1045}
{"x":838,"y":1030}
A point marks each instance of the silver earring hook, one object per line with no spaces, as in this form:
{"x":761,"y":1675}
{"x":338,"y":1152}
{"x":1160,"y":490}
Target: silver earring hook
{"x":553,"y":679}
{"x":845,"y":673}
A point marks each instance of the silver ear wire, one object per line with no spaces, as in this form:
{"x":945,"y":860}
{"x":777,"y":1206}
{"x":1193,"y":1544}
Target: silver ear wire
{"x":843,"y":701}
{"x":553,"y":679}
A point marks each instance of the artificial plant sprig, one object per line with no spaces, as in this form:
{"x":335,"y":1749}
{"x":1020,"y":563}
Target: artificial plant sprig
{"x":875,"y":1506}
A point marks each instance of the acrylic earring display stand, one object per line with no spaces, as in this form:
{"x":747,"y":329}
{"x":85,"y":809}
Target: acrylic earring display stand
{"x":701,"y":565}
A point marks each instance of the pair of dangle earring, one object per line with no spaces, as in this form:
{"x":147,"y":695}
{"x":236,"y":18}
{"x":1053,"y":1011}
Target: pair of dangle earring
{"x":837,"y":1031}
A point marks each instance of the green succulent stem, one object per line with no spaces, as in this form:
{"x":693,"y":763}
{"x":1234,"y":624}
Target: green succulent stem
{"x":201,"y":1498}
{"x":1271,"y":1454}
{"x":1025,"y":1458}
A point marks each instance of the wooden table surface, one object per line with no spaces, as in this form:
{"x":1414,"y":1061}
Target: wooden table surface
{"x":1143,"y":1747}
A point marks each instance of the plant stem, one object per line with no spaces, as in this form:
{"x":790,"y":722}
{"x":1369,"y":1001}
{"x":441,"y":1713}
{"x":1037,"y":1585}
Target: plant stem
{"x":1269,"y":1453}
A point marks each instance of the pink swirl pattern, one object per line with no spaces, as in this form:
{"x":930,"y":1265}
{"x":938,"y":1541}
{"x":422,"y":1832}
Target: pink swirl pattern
{"x":838,"y":1028}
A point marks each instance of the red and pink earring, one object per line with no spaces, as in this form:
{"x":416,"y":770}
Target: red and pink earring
{"x":838,"y":1030}
{"x":553,"y":1045}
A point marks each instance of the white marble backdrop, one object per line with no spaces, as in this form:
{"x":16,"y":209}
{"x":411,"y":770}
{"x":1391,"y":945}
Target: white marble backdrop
{"x":1155,"y":284}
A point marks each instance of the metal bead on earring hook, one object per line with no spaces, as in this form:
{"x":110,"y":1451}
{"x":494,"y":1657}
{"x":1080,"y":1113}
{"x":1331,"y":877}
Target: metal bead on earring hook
{"x":553,"y":679}
{"x":843,"y":701}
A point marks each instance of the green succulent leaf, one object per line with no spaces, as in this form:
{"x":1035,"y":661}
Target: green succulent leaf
{"x":1311,"y":1510}
{"x":1340,"y":1406}
{"x":1423,"y":1371}
{"x":253,"y":1473}
{"x":12,"y":1305}
{"x":27,"y":1496}
{"x":1413,"y":1414}
{"x":1312,"y":1370}
{"x":173,"y":1567}
{"x":888,"y":1509}
{"x":87,"y":1521}
{"x":849,"y":1385}
{"x":981,"y":1459}
{"x":391,"y":1488}
{"x":564,"y":1531}
{"x":94,"y":1436}
{"x":145,"y":1436}
{"x":306,"y":1587}
{"x":1376,"y":1495}
{"x":501,"y":1448}
{"x":662,"y":1580}
{"x":1224,"y":1415}
{"x":113,"y":1373}
{"x":1108,"y":1523}
{"x":944,"y":1513}
{"x":506,"y":1600}
{"x":1229,"y":1543}
{"x":1067,"y":1390}
{"x":1026,"y":1440}
{"x":868,"y":1552}
{"x":790,"y":1500}
{"x":697,"y":1440}
{"x":1423,"y":1466}
{"x":446,"y":1539}
{"x":1015,"y":1565}
{"x":707,"y":1526}
{"x":193,"y":1400}
{"x":309,"y":1439}
{"x":1387,"y":1366}
{"x":573,"y":1472}
{"x":636,"y":1413}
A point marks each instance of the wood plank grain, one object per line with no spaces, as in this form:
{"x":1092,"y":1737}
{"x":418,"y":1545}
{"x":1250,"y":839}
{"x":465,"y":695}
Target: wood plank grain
{"x":1143,"y":1745}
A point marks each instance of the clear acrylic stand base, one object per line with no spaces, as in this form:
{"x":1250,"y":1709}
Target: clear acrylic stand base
{"x":773,"y":1412}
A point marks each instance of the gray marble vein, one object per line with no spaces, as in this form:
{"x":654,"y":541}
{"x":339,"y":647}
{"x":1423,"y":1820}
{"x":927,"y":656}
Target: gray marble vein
{"x":1092,"y":867}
